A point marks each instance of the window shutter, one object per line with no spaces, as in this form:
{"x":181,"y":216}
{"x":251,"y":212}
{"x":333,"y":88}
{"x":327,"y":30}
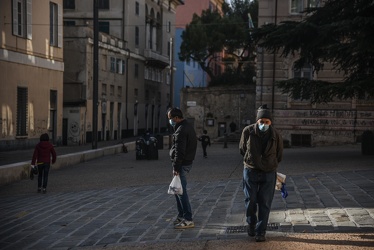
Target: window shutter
{"x":59,"y":26}
{"x":15,"y":19}
{"x":29,"y":19}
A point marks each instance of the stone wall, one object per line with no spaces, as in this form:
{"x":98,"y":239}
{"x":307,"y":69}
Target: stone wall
{"x":215,"y":108}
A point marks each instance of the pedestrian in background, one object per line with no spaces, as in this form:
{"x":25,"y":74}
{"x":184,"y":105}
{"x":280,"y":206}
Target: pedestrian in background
{"x":182,"y":154}
{"x":261,"y":146}
{"x":205,"y":142}
{"x":44,"y":153}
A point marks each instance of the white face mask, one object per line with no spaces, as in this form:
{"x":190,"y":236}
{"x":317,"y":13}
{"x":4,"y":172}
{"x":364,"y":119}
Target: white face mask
{"x":172,"y":123}
{"x":263,"y":127}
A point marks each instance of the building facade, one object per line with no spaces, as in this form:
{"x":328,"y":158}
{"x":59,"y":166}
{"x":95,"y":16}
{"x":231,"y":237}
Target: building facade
{"x":303,"y":123}
{"x":134,"y":67}
{"x":190,"y":74}
{"x":31,"y":69}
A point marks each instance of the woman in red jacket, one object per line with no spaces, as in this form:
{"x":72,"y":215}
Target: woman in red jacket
{"x":42,"y":160}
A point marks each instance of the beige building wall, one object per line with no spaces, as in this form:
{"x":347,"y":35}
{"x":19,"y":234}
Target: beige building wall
{"x":31,"y":72}
{"x":301,"y":123}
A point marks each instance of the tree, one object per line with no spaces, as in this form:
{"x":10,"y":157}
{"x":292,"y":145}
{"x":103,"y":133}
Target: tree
{"x":341,"y":33}
{"x":203,"y":39}
{"x":212,"y":32}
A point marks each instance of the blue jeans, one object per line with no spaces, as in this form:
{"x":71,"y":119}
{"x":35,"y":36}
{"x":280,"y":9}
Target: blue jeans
{"x":258,"y":187}
{"x":43,"y":170}
{"x":183,"y":203}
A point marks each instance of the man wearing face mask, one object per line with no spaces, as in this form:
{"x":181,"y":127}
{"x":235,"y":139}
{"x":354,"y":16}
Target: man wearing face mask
{"x":261,"y":146}
{"x":182,"y":153}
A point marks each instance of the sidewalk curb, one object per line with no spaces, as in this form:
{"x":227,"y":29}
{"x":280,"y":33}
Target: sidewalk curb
{"x":20,"y":171}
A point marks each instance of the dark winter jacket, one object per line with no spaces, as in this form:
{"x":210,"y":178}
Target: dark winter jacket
{"x":250,"y":147}
{"x":205,"y":140}
{"x":43,"y":152}
{"x":183,"y":149}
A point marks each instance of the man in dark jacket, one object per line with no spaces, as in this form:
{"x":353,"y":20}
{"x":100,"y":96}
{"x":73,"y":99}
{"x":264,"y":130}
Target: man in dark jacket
{"x":262,"y":149}
{"x":182,"y":154}
{"x":205,"y":142}
{"x":44,"y":154}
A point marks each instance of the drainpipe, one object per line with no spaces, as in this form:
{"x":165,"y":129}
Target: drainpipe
{"x":123,"y":19}
{"x":274,"y":59}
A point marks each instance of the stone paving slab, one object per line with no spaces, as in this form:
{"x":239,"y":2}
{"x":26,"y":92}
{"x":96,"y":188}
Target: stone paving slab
{"x":338,"y":200}
{"x":146,"y":213}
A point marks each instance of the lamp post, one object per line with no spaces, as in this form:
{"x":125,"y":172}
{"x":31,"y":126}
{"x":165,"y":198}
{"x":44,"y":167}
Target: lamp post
{"x":171,"y":68}
{"x":95,"y":74}
{"x":127,"y":89}
{"x":171,"y":73}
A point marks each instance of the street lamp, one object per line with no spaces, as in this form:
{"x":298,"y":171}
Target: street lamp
{"x":127,"y":88}
{"x":171,"y":68}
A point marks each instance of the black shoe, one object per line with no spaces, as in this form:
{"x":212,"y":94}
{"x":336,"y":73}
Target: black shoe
{"x":260,"y":238}
{"x":39,"y":190}
{"x":251,"y":231}
{"x":44,"y":190}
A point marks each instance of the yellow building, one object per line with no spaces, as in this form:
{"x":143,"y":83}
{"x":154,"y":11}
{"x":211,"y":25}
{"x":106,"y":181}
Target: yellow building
{"x":31,"y":70}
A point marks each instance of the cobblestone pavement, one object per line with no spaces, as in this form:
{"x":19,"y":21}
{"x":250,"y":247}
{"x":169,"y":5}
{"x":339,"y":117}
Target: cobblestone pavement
{"x":116,"y":201}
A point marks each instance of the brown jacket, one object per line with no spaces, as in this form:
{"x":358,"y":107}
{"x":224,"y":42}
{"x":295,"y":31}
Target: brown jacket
{"x":250,"y":149}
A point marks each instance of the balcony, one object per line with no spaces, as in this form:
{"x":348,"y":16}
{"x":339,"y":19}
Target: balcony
{"x":155,"y":59}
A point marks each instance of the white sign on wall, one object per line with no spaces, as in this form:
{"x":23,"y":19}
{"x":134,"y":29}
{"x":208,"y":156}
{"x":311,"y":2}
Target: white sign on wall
{"x":191,"y":103}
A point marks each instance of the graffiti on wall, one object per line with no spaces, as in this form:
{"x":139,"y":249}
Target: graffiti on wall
{"x":325,"y":126}
{"x":73,"y":132}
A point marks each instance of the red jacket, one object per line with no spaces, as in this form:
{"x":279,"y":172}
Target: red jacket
{"x":42,"y":153}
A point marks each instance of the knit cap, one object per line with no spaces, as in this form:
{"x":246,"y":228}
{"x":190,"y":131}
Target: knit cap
{"x":263,"y":112}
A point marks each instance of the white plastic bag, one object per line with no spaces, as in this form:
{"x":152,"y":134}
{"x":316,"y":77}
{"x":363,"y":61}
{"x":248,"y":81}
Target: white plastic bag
{"x":175,"y":186}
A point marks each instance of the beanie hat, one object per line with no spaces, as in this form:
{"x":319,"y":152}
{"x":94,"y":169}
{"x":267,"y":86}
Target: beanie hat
{"x":263,"y":112}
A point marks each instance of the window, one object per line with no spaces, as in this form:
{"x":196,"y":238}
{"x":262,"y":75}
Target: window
{"x":296,"y":6}
{"x":136,"y":70}
{"x":305,"y":72}
{"x":313,"y":3}
{"x":136,"y":92}
{"x":55,"y":25}
{"x":104,"y":27}
{"x":169,"y":46}
{"x":137,"y":8}
{"x":119,"y":91}
{"x":69,"y":4}
{"x":103,"y":90}
{"x":301,"y":140}
{"x":103,"y":4}
{"x":22,"y":18}
{"x":112,"y":90}
{"x":69,"y":23}
{"x":112,"y":64}
{"x":168,"y":28}
{"x":22,"y":111}
{"x":137,"y":36}
{"x":119,"y":66}
{"x":52,"y":126}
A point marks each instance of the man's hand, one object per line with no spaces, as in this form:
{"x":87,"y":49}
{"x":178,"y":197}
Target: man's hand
{"x":175,"y":172}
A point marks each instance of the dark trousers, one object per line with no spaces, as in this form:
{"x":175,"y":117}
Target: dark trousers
{"x":204,"y":149}
{"x":43,"y":170}
{"x":258,"y":187}
{"x":183,"y":202}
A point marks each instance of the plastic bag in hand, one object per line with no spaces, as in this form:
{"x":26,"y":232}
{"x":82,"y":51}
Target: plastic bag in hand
{"x":284,"y":190}
{"x":175,"y":186}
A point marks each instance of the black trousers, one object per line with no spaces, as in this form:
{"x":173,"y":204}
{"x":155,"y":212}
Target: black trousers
{"x":43,"y":170}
